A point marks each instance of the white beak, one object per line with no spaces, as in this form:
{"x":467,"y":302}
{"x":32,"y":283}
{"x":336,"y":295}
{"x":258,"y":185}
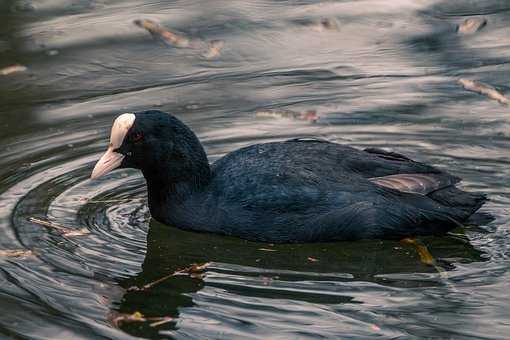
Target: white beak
{"x":112,"y":160}
{"x":108,"y":162}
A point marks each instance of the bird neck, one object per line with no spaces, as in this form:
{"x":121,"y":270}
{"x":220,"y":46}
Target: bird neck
{"x":171,"y":184}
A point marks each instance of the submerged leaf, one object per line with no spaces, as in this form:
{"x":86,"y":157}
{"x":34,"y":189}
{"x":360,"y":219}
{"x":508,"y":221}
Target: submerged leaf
{"x":422,"y":250}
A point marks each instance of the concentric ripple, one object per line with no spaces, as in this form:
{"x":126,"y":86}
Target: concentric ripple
{"x":384,"y":75}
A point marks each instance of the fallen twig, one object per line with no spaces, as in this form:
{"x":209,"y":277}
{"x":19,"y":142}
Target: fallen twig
{"x":485,"y":89}
{"x":119,"y":200}
{"x":195,"y":271}
{"x":119,"y":318}
{"x":60,"y":228}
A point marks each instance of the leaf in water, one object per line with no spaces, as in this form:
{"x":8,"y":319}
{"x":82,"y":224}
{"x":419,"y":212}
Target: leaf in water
{"x":471,"y":25}
{"x":214,"y":51}
{"x":197,"y":268}
{"x":375,"y":328}
{"x":60,"y":228}
{"x":13,"y":69}
{"x":266,"y":280}
{"x":325,"y":24}
{"x":160,"y":32}
{"x":487,"y":90}
{"x":195,"y":271}
{"x":164,"y":320}
{"x":118,"y":318}
{"x":79,"y":232}
{"x":422,"y":250}
{"x":16,"y":253}
{"x":309,"y":116}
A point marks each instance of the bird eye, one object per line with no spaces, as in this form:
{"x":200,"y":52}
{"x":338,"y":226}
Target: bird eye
{"x":137,"y":136}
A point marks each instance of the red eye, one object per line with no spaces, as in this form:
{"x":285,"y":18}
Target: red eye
{"x":137,"y":136}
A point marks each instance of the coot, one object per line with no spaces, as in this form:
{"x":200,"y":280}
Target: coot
{"x":299,"y":190}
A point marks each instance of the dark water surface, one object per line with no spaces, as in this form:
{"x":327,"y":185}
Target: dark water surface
{"x":387,"y":77}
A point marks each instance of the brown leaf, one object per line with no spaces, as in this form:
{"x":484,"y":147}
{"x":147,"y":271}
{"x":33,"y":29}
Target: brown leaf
{"x":309,"y":116}
{"x":266,"y":280}
{"x":160,"y":32}
{"x":119,"y":318}
{"x":16,"y":253}
{"x":485,"y":89}
{"x":471,"y":25}
{"x":214,"y":51}
{"x":195,"y":271}
{"x":12,"y":69}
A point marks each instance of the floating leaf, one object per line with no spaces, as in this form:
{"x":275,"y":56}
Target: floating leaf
{"x":214,"y":51}
{"x":13,"y":69}
{"x":375,"y":328}
{"x":267,"y":249}
{"x":119,"y":318}
{"x":325,"y":24}
{"x":79,"y":232}
{"x":471,"y":25}
{"x":163,"y":321}
{"x":485,"y":89}
{"x":309,"y":116}
{"x":16,"y":253}
{"x":158,"y":31}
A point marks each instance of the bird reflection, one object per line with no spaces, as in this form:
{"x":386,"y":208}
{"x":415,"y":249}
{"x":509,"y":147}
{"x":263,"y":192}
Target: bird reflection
{"x":170,"y":249}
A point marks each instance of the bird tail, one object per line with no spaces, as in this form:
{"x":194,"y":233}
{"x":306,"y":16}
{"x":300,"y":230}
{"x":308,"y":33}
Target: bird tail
{"x":467,"y":203}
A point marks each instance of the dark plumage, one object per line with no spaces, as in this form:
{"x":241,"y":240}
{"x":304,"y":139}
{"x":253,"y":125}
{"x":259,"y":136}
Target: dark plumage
{"x":292,"y":191}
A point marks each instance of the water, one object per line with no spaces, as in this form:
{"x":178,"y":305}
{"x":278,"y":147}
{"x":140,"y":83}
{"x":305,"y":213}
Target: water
{"x":387,"y":77}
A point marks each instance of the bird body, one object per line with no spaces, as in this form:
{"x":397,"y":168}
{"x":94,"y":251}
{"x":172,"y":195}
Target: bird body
{"x":300,"y":190}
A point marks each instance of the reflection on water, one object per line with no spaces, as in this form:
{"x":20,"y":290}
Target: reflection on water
{"x":376,"y":73}
{"x":245,"y":277}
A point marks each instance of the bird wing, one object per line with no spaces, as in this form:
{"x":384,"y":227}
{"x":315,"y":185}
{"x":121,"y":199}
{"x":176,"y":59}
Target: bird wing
{"x":422,"y":184}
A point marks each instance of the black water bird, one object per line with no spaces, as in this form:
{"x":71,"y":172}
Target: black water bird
{"x":299,"y":190}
